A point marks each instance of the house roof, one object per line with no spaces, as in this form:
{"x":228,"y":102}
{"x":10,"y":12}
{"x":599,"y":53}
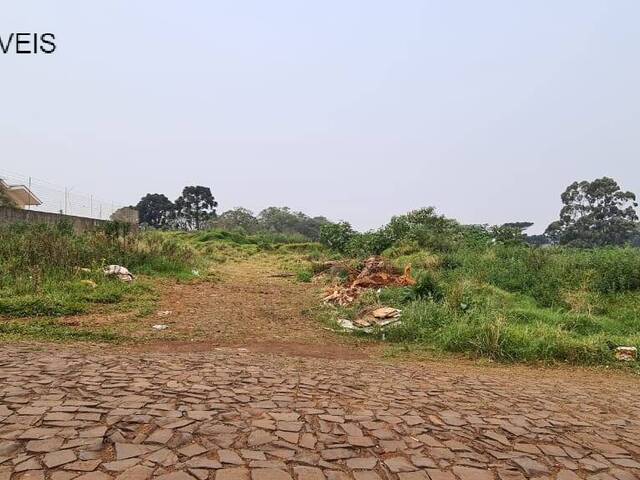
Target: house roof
{"x":20,"y":194}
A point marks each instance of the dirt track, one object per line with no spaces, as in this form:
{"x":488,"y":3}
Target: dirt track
{"x":250,"y":307}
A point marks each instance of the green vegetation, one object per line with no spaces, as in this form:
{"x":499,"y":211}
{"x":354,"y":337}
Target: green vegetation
{"x":570,"y":295}
{"x":220,"y":246}
{"x":484,"y":292}
{"x":51,"y":271}
{"x":47,"y":330}
{"x":304,"y":276}
{"x":595,"y":214}
{"x":195,"y":210}
{"x":290,"y":252}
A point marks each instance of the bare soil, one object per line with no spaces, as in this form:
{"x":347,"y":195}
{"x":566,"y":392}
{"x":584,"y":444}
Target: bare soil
{"x":250,"y":307}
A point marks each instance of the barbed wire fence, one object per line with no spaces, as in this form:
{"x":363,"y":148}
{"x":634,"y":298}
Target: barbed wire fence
{"x":61,"y":199}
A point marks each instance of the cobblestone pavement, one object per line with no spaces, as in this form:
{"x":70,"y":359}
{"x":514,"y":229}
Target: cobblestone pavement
{"x":233,"y":415}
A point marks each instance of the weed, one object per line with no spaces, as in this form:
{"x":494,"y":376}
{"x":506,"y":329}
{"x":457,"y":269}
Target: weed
{"x":428,"y":287}
{"x":304,"y":276}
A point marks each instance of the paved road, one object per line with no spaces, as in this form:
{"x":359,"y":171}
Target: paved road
{"x":239,"y":415}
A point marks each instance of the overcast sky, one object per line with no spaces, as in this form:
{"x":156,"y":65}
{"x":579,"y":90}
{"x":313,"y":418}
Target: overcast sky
{"x":356,"y":110}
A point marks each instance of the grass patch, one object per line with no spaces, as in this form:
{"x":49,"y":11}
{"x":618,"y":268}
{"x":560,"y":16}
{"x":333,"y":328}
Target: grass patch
{"x":50,"y":330}
{"x":304,"y":276}
{"x":49,"y":271}
{"x":40,"y":305}
{"x":485,"y":321}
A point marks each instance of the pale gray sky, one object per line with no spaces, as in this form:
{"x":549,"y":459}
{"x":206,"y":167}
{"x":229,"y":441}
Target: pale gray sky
{"x":356,"y":110}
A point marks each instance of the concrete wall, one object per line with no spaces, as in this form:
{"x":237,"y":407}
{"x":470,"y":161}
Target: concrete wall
{"x":10,"y":215}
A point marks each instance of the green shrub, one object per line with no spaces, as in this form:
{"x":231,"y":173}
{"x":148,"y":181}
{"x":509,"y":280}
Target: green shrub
{"x":264,"y":239}
{"x":501,"y":298}
{"x":615,"y":270}
{"x":428,"y":287}
{"x":526,"y":334}
{"x":370,"y":243}
{"x":336,"y":236}
{"x":40,"y":305}
{"x":304,"y":276}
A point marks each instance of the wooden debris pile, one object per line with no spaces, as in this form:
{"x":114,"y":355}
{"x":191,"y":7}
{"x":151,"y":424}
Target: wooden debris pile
{"x":370,"y":318}
{"x":376,"y":273}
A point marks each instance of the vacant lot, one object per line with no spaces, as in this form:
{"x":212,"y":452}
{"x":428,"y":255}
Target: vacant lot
{"x":506,"y":302}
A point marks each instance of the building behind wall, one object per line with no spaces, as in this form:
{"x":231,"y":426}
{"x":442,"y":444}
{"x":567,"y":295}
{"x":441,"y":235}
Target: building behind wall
{"x":19,"y":196}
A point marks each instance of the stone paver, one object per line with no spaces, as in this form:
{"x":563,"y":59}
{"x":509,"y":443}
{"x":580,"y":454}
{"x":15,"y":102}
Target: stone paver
{"x":234,"y":415}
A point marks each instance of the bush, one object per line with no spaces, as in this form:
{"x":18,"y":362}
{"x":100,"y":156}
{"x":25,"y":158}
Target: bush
{"x":520,"y":334}
{"x":428,"y":287}
{"x":239,"y":237}
{"x":336,"y":236}
{"x":38,"y":305}
{"x":370,"y":243}
{"x":50,"y":330}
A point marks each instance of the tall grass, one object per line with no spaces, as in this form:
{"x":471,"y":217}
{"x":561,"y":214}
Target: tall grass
{"x":50,"y":270}
{"x":546,"y":273}
{"x":242,"y":238}
{"x":518,"y":303}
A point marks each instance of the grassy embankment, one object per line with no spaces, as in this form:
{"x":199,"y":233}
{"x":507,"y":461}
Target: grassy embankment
{"x":512,"y":302}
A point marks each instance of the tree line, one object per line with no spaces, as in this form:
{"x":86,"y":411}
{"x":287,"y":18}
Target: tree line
{"x":195,"y":209}
{"x":594,"y":214}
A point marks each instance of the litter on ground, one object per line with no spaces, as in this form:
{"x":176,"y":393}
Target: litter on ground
{"x":160,"y":327}
{"x":341,"y":295}
{"x":118,"y":271}
{"x":346,"y":324}
{"x":626,"y":354}
{"x":89,"y":283}
{"x":386,"y":312}
{"x":370,"y":318}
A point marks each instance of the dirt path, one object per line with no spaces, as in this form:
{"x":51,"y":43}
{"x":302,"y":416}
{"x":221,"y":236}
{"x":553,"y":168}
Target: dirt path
{"x":251,"y":307}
